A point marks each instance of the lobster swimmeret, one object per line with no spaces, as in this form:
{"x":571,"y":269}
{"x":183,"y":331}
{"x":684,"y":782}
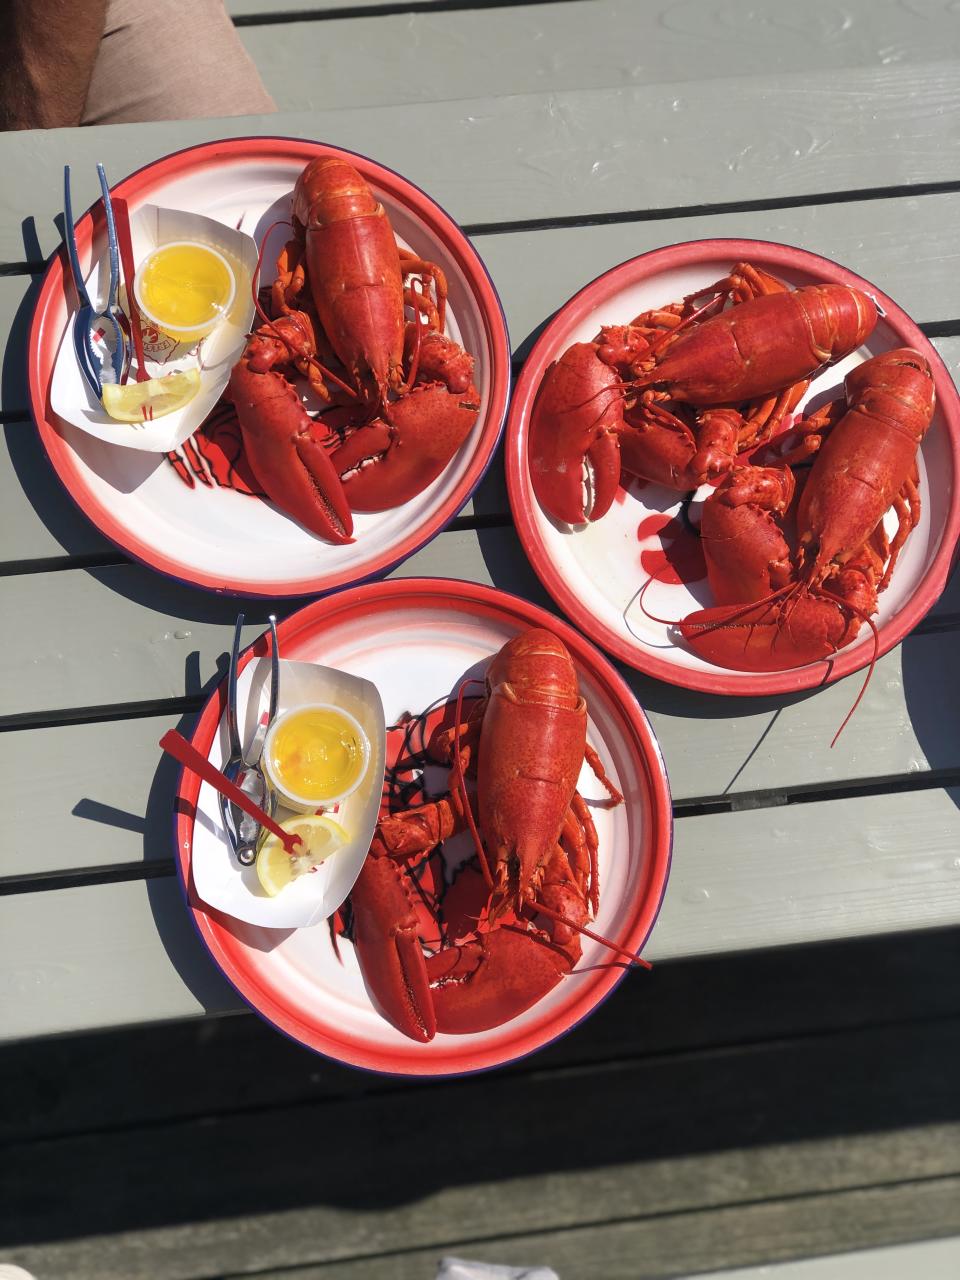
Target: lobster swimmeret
{"x":675,"y":395}
{"x":514,"y":930}
{"x":400,"y":395}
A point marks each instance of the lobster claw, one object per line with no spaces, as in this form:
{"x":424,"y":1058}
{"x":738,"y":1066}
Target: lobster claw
{"x":481,"y":984}
{"x":578,"y":415}
{"x":286,"y":456}
{"x":385,"y":936}
{"x":395,"y":457}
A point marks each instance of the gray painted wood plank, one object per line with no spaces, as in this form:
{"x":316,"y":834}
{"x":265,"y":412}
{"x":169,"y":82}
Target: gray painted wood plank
{"x":95,"y":815}
{"x":668,"y":1140}
{"x":668,"y":1136}
{"x":591,"y":44}
{"x":549,"y":155}
{"x":536,"y":272}
{"x":125,"y":634}
{"x":770,"y":1232}
{"x":931,"y":1259}
{"x":115,"y":1080}
{"x":104,"y":956}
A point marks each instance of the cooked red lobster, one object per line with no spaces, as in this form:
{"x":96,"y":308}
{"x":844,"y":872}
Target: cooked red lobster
{"x":775,"y":609}
{"x":678,"y":393}
{"x":401,"y":394}
{"x":515,"y":929}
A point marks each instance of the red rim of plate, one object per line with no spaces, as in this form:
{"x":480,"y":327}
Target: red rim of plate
{"x":328,"y":1037}
{"x":523,"y":503}
{"x":44,"y":341}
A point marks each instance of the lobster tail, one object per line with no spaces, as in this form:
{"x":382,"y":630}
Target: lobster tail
{"x":841,"y":319}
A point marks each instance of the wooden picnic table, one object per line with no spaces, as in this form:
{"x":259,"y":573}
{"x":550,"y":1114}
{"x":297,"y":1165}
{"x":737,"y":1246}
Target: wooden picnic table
{"x":814,"y":898}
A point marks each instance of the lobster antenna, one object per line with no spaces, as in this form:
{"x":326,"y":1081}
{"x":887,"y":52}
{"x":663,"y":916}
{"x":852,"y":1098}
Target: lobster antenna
{"x":595,"y":937}
{"x":864,"y":617}
{"x":464,"y":798}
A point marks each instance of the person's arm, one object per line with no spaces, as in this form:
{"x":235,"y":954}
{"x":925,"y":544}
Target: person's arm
{"x":47,"y":52}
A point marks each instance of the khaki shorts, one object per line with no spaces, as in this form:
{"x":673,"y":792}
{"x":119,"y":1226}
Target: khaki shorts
{"x":172,"y":60}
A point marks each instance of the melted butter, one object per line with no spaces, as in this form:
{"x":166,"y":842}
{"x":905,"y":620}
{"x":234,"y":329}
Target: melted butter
{"x":185,"y":285}
{"x":317,"y":754}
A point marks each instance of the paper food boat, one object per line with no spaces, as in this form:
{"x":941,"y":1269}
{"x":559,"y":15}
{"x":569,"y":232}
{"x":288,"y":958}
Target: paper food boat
{"x":219,"y":879}
{"x":70,"y":396}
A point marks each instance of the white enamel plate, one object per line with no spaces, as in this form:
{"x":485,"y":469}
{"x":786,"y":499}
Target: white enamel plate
{"x":595,"y":571}
{"x":182,"y":519}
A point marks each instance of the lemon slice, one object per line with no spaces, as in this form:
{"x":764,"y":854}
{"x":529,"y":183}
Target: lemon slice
{"x":144,"y":401}
{"x":319,"y":838}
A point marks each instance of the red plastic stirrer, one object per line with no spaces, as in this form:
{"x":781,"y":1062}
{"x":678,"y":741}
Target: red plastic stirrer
{"x":176,"y":745}
{"x":121,"y":219}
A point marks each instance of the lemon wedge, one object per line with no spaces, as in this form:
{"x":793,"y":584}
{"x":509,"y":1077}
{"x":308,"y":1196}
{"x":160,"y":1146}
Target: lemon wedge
{"x":319,"y":836}
{"x":144,"y":401}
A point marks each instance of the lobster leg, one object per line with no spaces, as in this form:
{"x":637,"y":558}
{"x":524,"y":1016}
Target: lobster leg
{"x":907,"y":506}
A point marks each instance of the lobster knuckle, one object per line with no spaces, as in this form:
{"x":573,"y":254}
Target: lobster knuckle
{"x":441,"y":360}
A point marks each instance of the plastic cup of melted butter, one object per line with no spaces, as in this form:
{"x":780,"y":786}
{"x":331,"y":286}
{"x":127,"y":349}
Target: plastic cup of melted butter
{"x":315,"y":756}
{"x":184,"y":289}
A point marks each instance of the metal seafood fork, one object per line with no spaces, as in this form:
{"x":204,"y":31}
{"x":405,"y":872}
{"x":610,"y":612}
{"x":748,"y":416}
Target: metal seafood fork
{"x":110,"y":319}
{"x":243,"y":831}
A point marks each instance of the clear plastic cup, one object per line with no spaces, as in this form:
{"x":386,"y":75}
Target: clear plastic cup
{"x":324,"y":798}
{"x":209,"y":284}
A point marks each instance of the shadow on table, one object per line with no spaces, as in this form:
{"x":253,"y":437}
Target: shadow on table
{"x":931,"y":685}
{"x":223,"y":1119}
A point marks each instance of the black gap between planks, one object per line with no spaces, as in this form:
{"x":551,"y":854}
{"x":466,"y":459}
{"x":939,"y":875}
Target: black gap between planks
{"x":695,"y":807}
{"x":385,"y":10}
{"x":679,"y":212}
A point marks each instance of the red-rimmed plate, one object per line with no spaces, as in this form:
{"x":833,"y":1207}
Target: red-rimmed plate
{"x":209,"y":534}
{"x":595,"y":571}
{"x":416,"y":639}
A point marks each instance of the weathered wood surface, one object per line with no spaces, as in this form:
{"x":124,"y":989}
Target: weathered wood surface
{"x":549,"y":156}
{"x":733,"y":1107}
{"x":103,"y":955}
{"x":933,"y":1260}
{"x":587,"y":44}
{"x":133,"y":1076}
{"x":739,"y":1132}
